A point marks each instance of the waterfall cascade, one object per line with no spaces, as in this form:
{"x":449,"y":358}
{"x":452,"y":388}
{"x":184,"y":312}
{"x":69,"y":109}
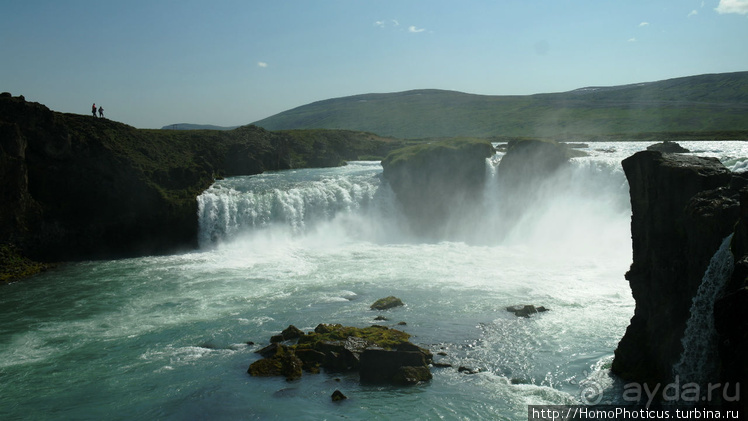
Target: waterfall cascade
{"x":233,"y":206}
{"x":698,"y":360}
{"x":573,"y":212}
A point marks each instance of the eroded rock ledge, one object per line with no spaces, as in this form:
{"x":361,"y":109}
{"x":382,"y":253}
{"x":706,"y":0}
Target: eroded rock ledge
{"x":682,"y":209}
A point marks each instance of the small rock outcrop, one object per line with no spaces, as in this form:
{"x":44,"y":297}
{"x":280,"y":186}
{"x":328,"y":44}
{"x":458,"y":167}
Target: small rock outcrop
{"x":378,"y":353}
{"x":438,"y":184}
{"x":668,"y":146}
{"x":338,"y":396}
{"x":682,"y":209}
{"x":387,"y":303}
{"x":525,"y":310}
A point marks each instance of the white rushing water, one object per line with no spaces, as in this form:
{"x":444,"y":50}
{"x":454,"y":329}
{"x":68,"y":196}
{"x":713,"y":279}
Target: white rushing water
{"x":698,"y":362}
{"x":165,"y":337}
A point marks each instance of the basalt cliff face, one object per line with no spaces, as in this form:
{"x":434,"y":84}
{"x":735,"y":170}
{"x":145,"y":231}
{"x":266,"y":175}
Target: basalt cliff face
{"x":439,"y":184}
{"x":682,"y":209}
{"x":78,"y":187}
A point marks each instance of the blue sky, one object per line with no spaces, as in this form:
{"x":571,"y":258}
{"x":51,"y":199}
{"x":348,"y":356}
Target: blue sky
{"x":152,"y":63}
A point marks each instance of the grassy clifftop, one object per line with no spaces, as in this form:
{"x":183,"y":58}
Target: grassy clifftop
{"x":79,"y":187}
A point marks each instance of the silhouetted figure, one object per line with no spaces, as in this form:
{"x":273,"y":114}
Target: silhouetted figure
{"x":93,"y":109}
{"x":101,"y":111}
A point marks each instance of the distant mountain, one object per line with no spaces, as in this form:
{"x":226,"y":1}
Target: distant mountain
{"x":187,"y":126}
{"x":714,"y":102}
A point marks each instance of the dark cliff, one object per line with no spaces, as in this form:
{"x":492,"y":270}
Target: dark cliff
{"x":682,"y":209}
{"x":523,"y":171}
{"x":438,"y":184}
{"x":77,"y":187}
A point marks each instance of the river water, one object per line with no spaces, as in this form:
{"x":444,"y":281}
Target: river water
{"x":165,"y":337}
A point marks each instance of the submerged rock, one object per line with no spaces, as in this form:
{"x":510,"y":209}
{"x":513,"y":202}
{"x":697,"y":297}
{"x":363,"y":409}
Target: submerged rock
{"x":525,"y":310}
{"x":387,"y":303}
{"x":338,"y":396}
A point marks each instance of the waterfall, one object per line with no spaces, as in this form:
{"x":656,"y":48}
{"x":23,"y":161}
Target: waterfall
{"x":296,"y":202}
{"x":698,"y":360}
{"x":578,"y":210}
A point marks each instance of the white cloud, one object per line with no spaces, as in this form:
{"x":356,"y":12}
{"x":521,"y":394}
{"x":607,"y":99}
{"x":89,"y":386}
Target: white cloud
{"x":262,"y":64}
{"x":732,"y":6}
{"x":693,"y":13}
{"x":379,"y":23}
{"x":395,"y":22}
{"x":644,"y":24}
{"x":632,"y":39}
{"x":414,"y":30}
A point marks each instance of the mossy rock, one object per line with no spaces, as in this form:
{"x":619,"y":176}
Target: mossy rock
{"x":14,"y":266}
{"x":284,"y":363}
{"x":266,"y":367}
{"x":380,"y":336}
{"x":387,"y":303}
{"x":341,"y":348}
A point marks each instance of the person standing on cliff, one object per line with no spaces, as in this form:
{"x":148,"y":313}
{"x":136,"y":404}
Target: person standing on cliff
{"x":101,"y":112}
{"x":93,"y":109}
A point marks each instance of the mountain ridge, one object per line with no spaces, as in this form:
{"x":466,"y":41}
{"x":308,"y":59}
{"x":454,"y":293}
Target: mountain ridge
{"x":709,"y":102}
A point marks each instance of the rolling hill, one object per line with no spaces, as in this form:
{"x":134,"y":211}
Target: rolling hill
{"x":705,"y":103}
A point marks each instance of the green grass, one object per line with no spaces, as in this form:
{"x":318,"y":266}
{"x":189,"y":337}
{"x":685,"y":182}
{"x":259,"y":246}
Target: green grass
{"x":424,"y":151}
{"x":706,"y":103}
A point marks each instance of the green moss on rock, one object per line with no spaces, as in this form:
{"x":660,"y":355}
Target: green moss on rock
{"x":14,"y":266}
{"x":341,"y":348}
{"x":387,"y":303}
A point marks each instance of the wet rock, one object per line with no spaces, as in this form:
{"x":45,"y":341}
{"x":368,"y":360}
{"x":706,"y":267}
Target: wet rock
{"x":268,"y":351}
{"x":667,"y":146}
{"x":291,"y":332}
{"x":525,"y":310}
{"x":433,"y":179}
{"x":523,"y":172}
{"x":343,"y":348}
{"x":682,"y":208}
{"x":463,"y":369}
{"x":283,"y":363}
{"x":386,"y":303}
{"x":380,"y":318}
{"x":338,"y":396}
{"x":392,"y":366}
